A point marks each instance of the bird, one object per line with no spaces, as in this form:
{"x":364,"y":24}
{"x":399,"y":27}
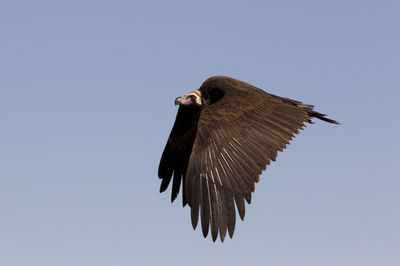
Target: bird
{"x":225,"y":135}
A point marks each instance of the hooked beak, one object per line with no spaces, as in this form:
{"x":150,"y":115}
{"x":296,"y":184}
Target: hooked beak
{"x":178,"y":101}
{"x":182,"y":101}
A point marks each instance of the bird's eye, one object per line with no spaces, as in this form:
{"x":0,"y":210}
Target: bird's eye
{"x":192,"y":97}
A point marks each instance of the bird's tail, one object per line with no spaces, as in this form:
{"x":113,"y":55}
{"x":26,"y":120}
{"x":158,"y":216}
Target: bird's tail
{"x":308,"y":108}
{"x":312,"y":113}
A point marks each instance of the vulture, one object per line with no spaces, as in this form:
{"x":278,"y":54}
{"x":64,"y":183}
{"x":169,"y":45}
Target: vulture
{"x":225,"y":134}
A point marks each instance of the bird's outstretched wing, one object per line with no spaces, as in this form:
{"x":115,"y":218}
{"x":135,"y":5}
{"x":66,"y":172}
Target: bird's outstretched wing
{"x":175,"y":158}
{"x":236,"y":139}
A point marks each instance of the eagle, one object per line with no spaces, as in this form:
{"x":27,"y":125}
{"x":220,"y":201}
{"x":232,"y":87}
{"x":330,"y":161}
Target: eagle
{"x":225,"y":134}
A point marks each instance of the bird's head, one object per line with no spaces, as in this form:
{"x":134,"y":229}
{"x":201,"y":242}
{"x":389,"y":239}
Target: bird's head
{"x":191,"y":99}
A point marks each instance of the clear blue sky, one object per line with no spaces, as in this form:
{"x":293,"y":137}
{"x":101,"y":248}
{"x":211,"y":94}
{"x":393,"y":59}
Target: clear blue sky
{"x":86,"y":105}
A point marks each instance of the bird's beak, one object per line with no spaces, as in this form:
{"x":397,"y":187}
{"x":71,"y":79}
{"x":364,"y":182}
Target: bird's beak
{"x":178,"y":101}
{"x":182,"y":101}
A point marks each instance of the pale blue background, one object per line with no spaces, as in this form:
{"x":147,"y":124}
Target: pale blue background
{"x":86,"y":105}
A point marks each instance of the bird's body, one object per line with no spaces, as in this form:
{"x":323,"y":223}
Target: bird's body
{"x":224,"y":136}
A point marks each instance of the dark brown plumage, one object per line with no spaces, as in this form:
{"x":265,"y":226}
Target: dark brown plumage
{"x":224,"y":136}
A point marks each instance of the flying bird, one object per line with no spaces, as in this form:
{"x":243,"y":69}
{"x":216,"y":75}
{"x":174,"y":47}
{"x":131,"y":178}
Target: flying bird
{"x":225,"y":134}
